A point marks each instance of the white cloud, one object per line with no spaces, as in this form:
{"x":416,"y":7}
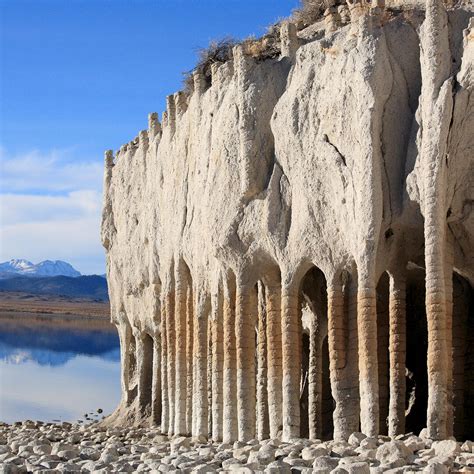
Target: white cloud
{"x":21,"y":208}
{"x":74,"y":240}
{"x":50,"y":208}
{"x":55,"y":171}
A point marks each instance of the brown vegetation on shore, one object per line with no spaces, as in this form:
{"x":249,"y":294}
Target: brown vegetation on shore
{"x":24,"y":303}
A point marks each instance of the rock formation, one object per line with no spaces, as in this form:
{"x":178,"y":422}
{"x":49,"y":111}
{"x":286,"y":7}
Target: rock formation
{"x":290,"y":251}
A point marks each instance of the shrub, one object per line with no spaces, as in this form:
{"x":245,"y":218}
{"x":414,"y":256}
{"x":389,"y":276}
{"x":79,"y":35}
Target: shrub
{"x":266,"y":47}
{"x":311,"y":11}
{"x":217,"y":52}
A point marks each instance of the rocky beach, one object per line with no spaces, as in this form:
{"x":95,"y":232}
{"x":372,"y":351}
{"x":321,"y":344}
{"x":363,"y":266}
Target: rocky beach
{"x":289,"y":249}
{"x":46,"y":447}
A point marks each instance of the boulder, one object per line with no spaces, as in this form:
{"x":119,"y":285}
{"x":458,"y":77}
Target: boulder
{"x":446,"y":447}
{"x":357,"y":468}
{"x":436,"y":468}
{"x":180,"y":443}
{"x":414,"y":443}
{"x":312,"y":452}
{"x":393,"y":452}
{"x":325,"y":462}
{"x":356,"y":438}
{"x":277,"y":467}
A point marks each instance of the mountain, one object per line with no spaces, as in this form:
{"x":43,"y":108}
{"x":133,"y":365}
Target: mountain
{"x":16,"y":265}
{"x":44,"y":268}
{"x":91,"y":286}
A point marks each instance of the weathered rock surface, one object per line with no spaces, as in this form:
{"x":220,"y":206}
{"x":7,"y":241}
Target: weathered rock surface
{"x":270,"y":239}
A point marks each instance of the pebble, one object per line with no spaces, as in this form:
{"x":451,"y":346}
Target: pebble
{"x":46,"y":447}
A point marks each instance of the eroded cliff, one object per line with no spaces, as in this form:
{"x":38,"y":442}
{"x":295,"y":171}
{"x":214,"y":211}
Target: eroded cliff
{"x":293,"y":186}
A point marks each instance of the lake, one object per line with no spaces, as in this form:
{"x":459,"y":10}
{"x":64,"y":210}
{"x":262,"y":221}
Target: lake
{"x":57,"y":368}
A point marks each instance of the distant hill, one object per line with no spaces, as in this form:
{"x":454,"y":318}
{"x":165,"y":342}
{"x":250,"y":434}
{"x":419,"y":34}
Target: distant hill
{"x":24,"y":267}
{"x":91,"y":286}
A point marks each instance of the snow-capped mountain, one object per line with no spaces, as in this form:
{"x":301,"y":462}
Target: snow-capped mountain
{"x":16,"y":265}
{"x":45,"y":268}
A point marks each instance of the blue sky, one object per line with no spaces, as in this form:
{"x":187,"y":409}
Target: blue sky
{"x":79,"y":77}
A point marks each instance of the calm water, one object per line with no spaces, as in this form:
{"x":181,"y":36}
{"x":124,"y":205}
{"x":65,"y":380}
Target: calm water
{"x":57,"y":369}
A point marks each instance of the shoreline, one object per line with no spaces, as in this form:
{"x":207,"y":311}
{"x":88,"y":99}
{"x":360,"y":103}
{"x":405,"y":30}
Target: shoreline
{"x":45,"y":306}
{"x":68,"y":447}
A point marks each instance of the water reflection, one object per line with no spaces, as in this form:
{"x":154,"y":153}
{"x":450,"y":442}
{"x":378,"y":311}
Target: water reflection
{"x":57,"y":368}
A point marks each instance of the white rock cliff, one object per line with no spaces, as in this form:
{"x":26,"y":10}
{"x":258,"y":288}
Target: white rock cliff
{"x":290,"y":252}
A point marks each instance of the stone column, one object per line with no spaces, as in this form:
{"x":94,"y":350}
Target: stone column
{"x":368,"y":363}
{"x":210,"y":395}
{"x":289,"y":40}
{"x":437,"y":328}
{"x":397,"y":351}
{"x":291,"y":336}
{"x":437,"y":97}
{"x":156,"y":387}
{"x":125,"y":335}
{"x":337,"y":357}
{"x":217,"y":365}
{"x":164,"y":371}
{"x":171,"y":113}
{"x":200,"y":401}
{"x":181,"y":287}
{"x":315,"y":378}
{"x":383,"y":356}
{"x":262,"y":381}
{"x":245,"y":308}
{"x":144,"y":357}
{"x":230,"y":364}
{"x":154,"y":126}
{"x":189,"y":356}
{"x":351,"y":399}
{"x":274,"y":350}
{"x":171,"y":369}
{"x":448,"y":269}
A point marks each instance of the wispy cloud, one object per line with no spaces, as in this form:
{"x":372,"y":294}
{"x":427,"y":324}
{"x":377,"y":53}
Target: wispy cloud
{"x":50,"y":206}
{"x":54,"y":171}
{"x":21,"y":208}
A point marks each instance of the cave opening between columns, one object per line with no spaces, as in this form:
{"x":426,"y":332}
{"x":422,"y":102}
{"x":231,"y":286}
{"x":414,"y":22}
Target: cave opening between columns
{"x":416,"y":379}
{"x":463,"y":358}
{"x":147,"y":375}
{"x":316,"y":402}
{"x":416,"y":399}
{"x":416,"y":352}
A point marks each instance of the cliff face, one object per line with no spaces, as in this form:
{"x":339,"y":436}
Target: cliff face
{"x":350,"y":156}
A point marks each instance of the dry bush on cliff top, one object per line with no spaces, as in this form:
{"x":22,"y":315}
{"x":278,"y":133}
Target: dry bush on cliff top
{"x":310,"y":11}
{"x":268,"y":46}
{"x":265,"y":47}
{"x":217,"y":52}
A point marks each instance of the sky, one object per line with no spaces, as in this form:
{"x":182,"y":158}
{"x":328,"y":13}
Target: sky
{"x":78,"y":77}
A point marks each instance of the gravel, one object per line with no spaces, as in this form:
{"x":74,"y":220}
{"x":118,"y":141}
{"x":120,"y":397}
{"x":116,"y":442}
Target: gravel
{"x":50,"y":447}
